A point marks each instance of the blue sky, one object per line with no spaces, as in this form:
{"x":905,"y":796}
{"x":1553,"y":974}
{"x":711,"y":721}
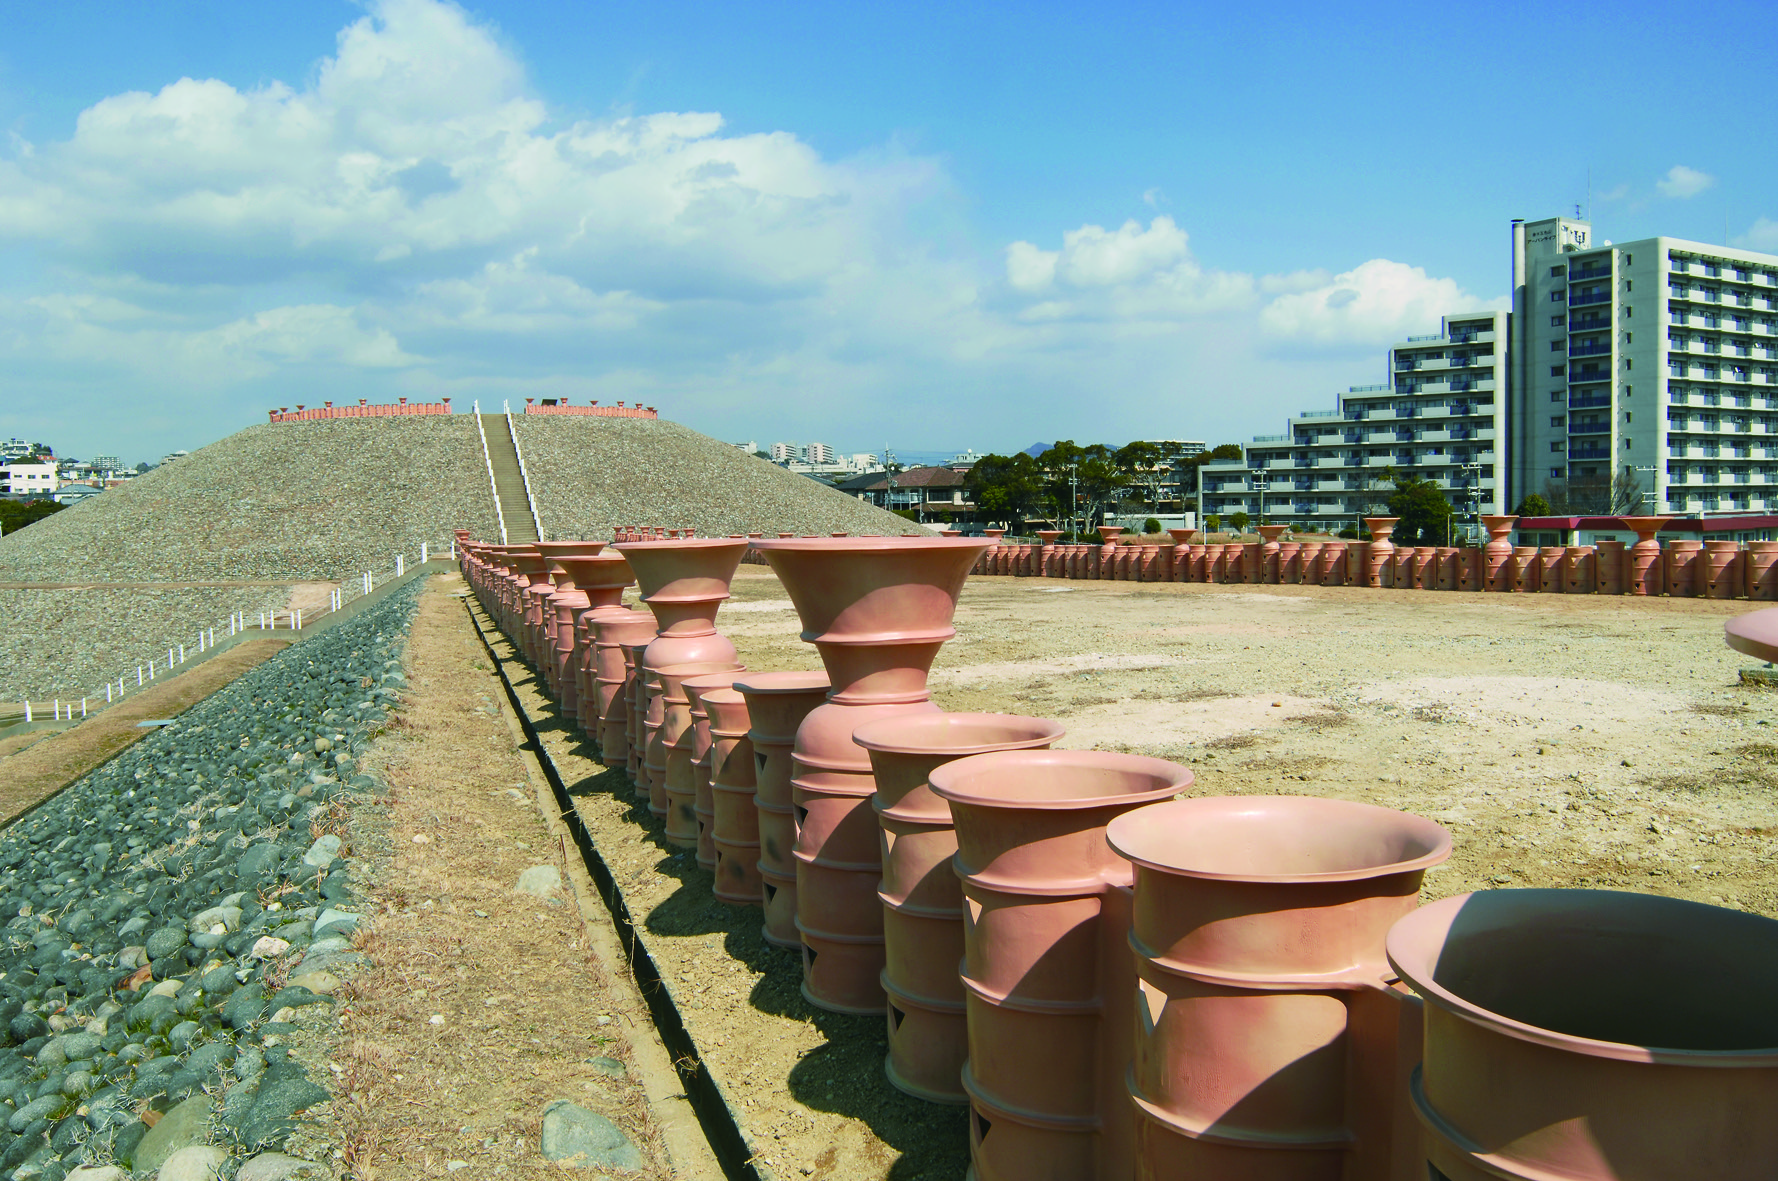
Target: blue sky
{"x":914,"y":225}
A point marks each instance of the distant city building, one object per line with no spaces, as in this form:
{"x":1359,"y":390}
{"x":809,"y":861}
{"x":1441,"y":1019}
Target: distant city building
{"x":750,"y":446}
{"x":924,"y":490}
{"x":75,"y":493}
{"x":786,"y":452}
{"x":29,"y":479}
{"x":1442,"y":419}
{"x":1693,"y":350}
{"x":106,"y":463}
{"x":16,"y":448}
{"x":171,"y":456}
{"x":818,"y":453}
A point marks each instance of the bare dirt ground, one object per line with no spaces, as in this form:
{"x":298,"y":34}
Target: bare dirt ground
{"x":1565,"y":741}
{"x":34,"y":766}
{"x":481,"y":1004}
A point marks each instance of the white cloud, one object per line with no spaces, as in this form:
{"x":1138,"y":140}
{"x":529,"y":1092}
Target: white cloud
{"x":416,"y":219}
{"x":1370,"y":306}
{"x":1762,"y":235}
{"x":1683,"y":182}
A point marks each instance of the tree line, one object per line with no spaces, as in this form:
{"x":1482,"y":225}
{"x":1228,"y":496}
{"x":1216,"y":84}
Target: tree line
{"x":1072,"y":482}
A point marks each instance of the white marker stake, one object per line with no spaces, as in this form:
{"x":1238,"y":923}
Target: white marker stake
{"x":27,"y":710}
{"x":422,"y":553}
{"x":138,"y":676}
{"x":107,"y":692}
{"x":83,"y":707}
{"x":182,"y":654}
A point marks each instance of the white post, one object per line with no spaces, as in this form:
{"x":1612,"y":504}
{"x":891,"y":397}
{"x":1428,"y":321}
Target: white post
{"x":138,"y":676}
{"x":422,"y":553}
{"x":296,"y":620}
{"x":169,"y":660}
{"x":262,"y":621}
{"x":182,"y":654}
{"x":151,"y":670}
{"x":83,"y":706}
{"x":27,"y":709}
{"x":107,"y":692}
{"x":56,"y":705}
{"x":400,"y":566}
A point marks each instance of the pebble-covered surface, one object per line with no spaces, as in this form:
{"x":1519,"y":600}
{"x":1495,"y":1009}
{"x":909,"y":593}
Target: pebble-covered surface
{"x":312,"y":500}
{"x":65,"y":643}
{"x":169,"y":916}
{"x":591,"y":474}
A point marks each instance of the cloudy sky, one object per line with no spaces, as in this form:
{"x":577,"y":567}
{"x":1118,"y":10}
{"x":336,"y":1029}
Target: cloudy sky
{"x":864,"y":224}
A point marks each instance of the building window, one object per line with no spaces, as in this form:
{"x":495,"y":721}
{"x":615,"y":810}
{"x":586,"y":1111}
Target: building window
{"x":1555,"y":321}
{"x":1556,"y":345}
{"x":1558,"y":420}
{"x":1628,"y":391}
{"x":1555,"y":395}
{"x":1556,"y":473}
{"x":1558,"y":445}
{"x":1629,"y":259}
{"x":1629,"y":364}
{"x":1557,"y":370}
{"x":1629,"y":284}
{"x":1557,"y":272}
{"x":1626,"y":444}
{"x":1628,"y":337}
{"x":1628,"y":311}
{"x":1556,"y":296}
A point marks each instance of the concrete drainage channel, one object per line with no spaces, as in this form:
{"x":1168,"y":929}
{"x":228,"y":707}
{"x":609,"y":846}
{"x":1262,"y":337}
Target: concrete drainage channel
{"x":716,"y":1118}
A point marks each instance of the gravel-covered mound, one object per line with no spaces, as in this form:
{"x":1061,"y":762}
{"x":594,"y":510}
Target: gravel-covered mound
{"x":320,"y":500}
{"x":590,"y":474}
{"x":66,"y":643}
{"x":169,"y":913}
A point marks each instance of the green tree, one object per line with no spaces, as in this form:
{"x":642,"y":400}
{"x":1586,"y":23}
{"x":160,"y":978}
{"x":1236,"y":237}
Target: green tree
{"x":1144,"y":468}
{"x":1081,"y":481}
{"x":1151,"y":526}
{"x":1005,"y":488}
{"x":1425,"y":514}
{"x":1212,"y":523}
{"x":1533,"y":506}
{"x":1238,"y":520}
{"x":16,"y":514}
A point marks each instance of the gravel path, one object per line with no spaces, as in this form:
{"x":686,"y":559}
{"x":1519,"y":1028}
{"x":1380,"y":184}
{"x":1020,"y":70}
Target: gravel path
{"x":181,"y":914}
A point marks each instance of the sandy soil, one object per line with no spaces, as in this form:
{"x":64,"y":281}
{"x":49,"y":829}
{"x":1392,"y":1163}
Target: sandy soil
{"x":481,"y":1004}
{"x":1565,"y":741}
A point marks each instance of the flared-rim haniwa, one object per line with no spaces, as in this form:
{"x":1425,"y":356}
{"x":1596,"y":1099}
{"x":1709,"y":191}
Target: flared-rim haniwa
{"x":956,"y":734}
{"x":1393,"y":842}
{"x":1140,"y":779}
{"x":1754,"y":634}
{"x":897,"y":543}
{"x":1417,"y":942}
{"x":784,"y":682}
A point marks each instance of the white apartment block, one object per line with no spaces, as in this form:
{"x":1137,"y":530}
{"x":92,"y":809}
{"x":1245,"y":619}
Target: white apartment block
{"x":819,"y":453}
{"x":1657,"y":358}
{"x":786,"y":452}
{"x":29,"y":479}
{"x":1441,"y":418}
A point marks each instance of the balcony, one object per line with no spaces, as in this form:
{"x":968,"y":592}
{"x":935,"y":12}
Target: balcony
{"x":1589,"y":428}
{"x":1589,"y":453}
{"x":1575,"y":301}
{"x":1589,"y":324}
{"x":1589,"y":273}
{"x":1582,"y":401}
{"x":1589,"y":350}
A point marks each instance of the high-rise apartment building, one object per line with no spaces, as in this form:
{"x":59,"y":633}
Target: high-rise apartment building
{"x":1645,"y":373}
{"x":1441,"y":418}
{"x":819,"y":453}
{"x":786,"y":452}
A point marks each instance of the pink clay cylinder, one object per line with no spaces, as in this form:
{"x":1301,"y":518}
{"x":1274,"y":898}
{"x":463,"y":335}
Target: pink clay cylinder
{"x":734,"y":818}
{"x":1497,"y":555}
{"x":525,"y":611}
{"x":1552,"y":563}
{"x":777,"y":703}
{"x":1578,"y":570}
{"x":1609,"y":559}
{"x":1426,"y":562}
{"x":684,"y":582}
{"x":878,"y":611}
{"x":1593,"y":1035}
{"x":1378,"y":572}
{"x":1049,"y":980}
{"x":1444,"y":569}
{"x":1525,"y":567}
{"x":1685,"y":568}
{"x":1646,"y":569}
{"x":1269,"y":1041}
{"x":1269,"y":551}
{"x":1290,"y":570}
{"x":1755,"y":633}
{"x":612,"y":678}
{"x":600,"y":580}
{"x":1761,"y":562}
{"x":1720,"y":572}
{"x":1107,"y":566}
{"x":1334,"y":563}
{"x":635,"y":724}
{"x":1185,"y":555}
{"x":1047,"y":555}
{"x":1151,"y":562}
{"x":922,"y":897}
{"x":1312,"y":563}
{"x":703,"y":747}
{"x":1469,"y":569}
{"x":563,"y":602}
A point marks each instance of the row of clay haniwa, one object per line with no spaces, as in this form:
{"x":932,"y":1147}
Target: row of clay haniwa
{"x":363,"y":410}
{"x":1119,"y":980}
{"x":1681,"y":568}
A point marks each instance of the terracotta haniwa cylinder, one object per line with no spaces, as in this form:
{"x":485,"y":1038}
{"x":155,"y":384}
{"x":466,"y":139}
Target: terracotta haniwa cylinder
{"x":1497,"y":555}
{"x":922,"y":898}
{"x":1269,"y":1042}
{"x":1608,"y":567}
{"x":703,"y":747}
{"x":777,"y":703}
{"x":1646,"y":569}
{"x":1593,"y":1035}
{"x":636,"y":700}
{"x":878,"y":610}
{"x":672,"y":790}
{"x":1049,"y":980}
{"x":1578,"y":570}
{"x":1552,"y":561}
{"x":1761,"y":562}
{"x":1720,"y":572}
{"x":1685,"y":560}
{"x":1381,"y":551}
{"x":734,"y":818}
{"x":1525,"y":567}
{"x":612,"y":678}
